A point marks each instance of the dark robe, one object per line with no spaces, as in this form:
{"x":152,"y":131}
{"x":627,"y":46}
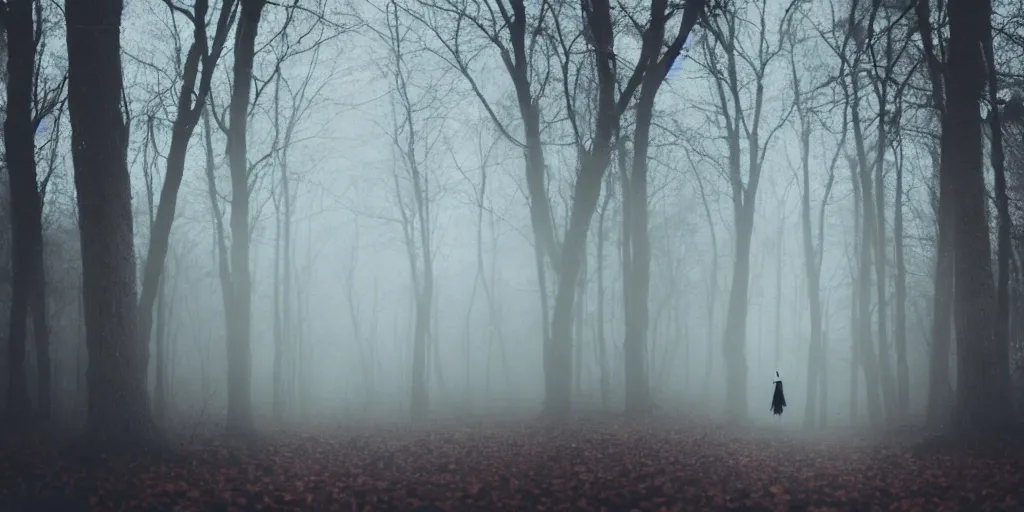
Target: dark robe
{"x":778,"y":399}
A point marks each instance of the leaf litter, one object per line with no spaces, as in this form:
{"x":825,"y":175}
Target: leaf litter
{"x":596,"y":466}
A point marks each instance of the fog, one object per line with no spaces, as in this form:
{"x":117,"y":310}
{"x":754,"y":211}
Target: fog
{"x":389,"y":203}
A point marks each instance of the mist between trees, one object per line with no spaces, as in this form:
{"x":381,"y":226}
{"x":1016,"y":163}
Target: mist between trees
{"x":246,"y":213}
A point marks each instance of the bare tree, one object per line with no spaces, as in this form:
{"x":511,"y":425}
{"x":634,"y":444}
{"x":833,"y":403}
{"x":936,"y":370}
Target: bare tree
{"x":239,"y":307}
{"x":850,"y":50}
{"x":480,"y":278}
{"x":413,"y":189}
{"x":742,"y":124}
{"x":520,"y":48}
{"x":881,"y":57}
{"x":813,"y":247}
{"x":293,"y":100}
{"x":197,"y":75}
{"x":651,"y":69}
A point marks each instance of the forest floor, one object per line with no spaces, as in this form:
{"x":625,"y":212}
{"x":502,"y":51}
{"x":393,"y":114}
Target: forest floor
{"x":607,"y":464}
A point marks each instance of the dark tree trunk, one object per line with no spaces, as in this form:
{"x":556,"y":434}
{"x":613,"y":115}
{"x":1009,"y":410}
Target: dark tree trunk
{"x":118,"y":403}
{"x":1001,"y":334}
{"x":27,"y":272}
{"x":238,"y":321}
{"x":981,"y":403}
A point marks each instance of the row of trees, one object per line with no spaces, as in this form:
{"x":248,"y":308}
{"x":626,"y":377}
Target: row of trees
{"x":895,"y":73}
{"x":117,"y":320}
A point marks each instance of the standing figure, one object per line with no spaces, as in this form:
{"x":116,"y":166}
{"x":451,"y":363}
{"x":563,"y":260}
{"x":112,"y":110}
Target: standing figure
{"x":778,"y":399}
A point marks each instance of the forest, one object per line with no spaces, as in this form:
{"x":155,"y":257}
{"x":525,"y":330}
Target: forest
{"x":512,"y":255}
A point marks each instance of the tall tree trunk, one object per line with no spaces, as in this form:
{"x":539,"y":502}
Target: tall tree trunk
{"x":289,"y":327}
{"x":712,"y":295}
{"x":545,"y":246}
{"x":637,"y":311}
{"x":812,"y":268}
{"x":855,"y":323}
{"x":626,"y":249}
{"x":900,"y":320}
{"x":421,"y":339}
{"x":285,"y":327}
{"x":118,"y":353}
{"x":495,"y":317}
{"x":869,"y":361}
{"x":238,"y":321}
{"x":940,"y":392}
{"x":220,"y":245}
{"x":735,"y":335}
{"x":416,"y":226}
{"x":586,"y":191}
{"x":27,"y":266}
{"x":980,"y":404}
{"x":777,"y":352}
{"x":654,"y":67}
{"x":1001,"y":325}
{"x":277,"y":403}
{"x":480,"y":278}
{"x":602,"y":356}
{"x":889,"y":393}
{"x":742,"y":127}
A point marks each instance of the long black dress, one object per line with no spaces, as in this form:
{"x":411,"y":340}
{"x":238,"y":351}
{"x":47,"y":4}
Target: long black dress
{"x":778,"y":399}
